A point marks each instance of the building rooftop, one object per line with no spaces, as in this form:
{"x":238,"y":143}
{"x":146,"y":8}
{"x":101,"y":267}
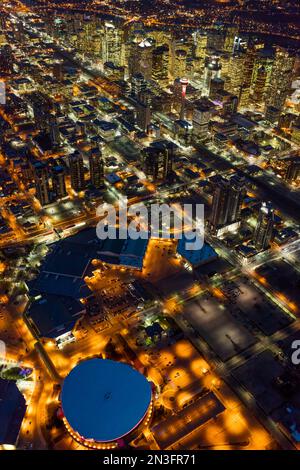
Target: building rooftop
{"x":53,"y":315}
{"x":196,"y":257}
{"x":105,"y":400}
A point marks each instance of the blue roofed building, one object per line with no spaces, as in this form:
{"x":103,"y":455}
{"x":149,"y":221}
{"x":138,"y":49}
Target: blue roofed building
{"x":57,"y":293}
{"x":54,"y":317}
{"x":196,"y":257}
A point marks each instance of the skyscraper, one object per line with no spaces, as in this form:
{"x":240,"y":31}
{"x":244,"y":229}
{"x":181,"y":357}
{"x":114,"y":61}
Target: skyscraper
{"x":96,"y":167}
{"x":237,"y":195}
{"x":261,"y":75}
{"x":140,"y":58}
{"x":281,"y":78}
{"x":258,"y":85}
{"x":227,"y":202}
{"x":58,"y":182}
{"x":244,"y":96}
{"x":219,"y":211}
{"x":200,"y":45}
{"x":112,"y":44}
{"x":76,"y":171}
{"x":201,"y":117}
{"x":264,"y":227}
{"x":180,"y":63}
{"x":230,"y":36}
{"x":160,"y":65}
{"x":212,"y":70}
{"x":293,"y":171}
{"x":42,"y":184}
{"x":143,"y":115}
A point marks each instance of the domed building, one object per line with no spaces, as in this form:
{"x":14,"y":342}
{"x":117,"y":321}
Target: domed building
{"x":105,"y":403}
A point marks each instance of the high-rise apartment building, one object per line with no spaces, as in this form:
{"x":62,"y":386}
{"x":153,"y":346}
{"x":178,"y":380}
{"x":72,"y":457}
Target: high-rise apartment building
{"x":76,"y":171}
{"x":96,"y":167}
{"x":58,"y":182}
{"x":264,"y":227}
{"x":227,"y":203}
{"x":42,"y":183}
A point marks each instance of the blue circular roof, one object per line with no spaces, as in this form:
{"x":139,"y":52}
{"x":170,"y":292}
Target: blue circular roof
{"x":104,"y":400}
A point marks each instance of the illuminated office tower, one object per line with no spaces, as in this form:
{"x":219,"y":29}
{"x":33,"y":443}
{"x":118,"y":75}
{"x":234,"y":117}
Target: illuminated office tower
{"x":248,"y":65}
{"x":96,"y":167}
{"x":212,"y":70}
{"x":158,"y":160}
{"x":281,"y":78}
{"x":42,"y":184}
{"x":264,"y":227}
{"x":76,"y":171}
{"x":225,"y":65}
{"x":180,"y":58}
{"x":236,"y":74}
{"x":88,"y":28}
{"x":58,"y":182}
{"x":258,"y":86}
{"x":200,"y":46}
{"x":140,"y":59}
{"x":181,"y":49}
{"x":112,"y":44}
{"x":230,"y":36}
{"x":160,"y":65}
{"x":261,"y":75}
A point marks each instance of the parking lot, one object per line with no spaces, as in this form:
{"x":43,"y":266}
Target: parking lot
{"x":215,"y":324}
{"x":260,"y":310}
